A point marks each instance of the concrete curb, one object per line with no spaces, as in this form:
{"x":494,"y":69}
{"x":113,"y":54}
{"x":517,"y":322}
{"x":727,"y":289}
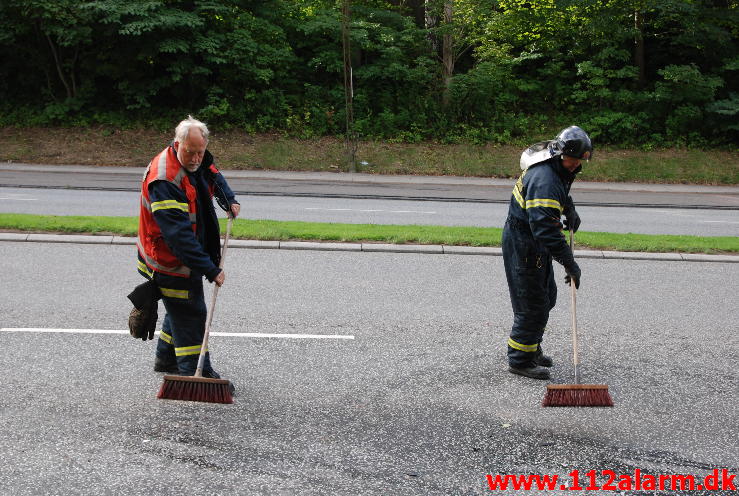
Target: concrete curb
{"x":371,"y":247}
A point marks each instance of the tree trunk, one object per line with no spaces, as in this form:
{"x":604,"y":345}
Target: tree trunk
{"x":639,"y":60}
{"x":447,"y":51}
{"x":59,"y":69}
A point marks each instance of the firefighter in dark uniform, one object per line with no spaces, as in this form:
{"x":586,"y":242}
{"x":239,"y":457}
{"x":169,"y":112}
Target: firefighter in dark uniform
{"x":179,"y":244}
{"x":533,"y":236}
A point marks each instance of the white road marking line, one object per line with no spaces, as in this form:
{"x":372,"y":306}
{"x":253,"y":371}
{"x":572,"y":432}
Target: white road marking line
{"x":282,"y":336}
{"x":672,"y":212}
{"x":370,"y":210}
{"x":331,"y":209}
{"x":18,"y":199}
{"x":721,"y":222}
{"x":410,"y":212}
{"x":224,"y":334}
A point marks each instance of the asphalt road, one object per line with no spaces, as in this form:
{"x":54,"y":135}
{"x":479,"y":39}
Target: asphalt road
{"x":655,"y":220}
{"x":334,"y":185}
{"x":418,"y":403}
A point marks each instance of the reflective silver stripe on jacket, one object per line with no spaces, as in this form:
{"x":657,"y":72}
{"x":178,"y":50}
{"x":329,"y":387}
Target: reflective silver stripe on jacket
{"x":178,"y":269}
{"x":162,"y":169}
{"x":162,"y":166}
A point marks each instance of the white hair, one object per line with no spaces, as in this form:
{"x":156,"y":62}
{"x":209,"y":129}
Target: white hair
{"x":182,"y":131}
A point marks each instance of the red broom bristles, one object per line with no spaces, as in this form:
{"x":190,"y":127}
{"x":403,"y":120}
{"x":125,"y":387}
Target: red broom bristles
{"x":577,"y":395}
{"x":201,"y":389}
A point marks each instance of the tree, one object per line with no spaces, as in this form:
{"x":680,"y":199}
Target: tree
{"x":53,"y":36}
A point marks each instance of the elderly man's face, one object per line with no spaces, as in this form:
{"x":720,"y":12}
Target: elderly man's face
{"x":190,"y":152}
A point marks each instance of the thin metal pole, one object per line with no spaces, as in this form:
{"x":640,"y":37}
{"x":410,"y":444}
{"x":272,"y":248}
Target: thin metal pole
{"x":351,"y":139}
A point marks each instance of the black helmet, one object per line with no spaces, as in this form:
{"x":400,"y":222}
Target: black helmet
{"x":573,"y":142}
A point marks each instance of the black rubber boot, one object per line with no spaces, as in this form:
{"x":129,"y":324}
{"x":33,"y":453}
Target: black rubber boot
{"x":542,"y":360}
{"x":168,"y":366}
{"x":533,"y":372}
{"x":211,"y":374}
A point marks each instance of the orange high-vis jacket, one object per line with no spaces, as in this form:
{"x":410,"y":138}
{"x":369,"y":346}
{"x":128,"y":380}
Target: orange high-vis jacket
{"x":154,"y":254}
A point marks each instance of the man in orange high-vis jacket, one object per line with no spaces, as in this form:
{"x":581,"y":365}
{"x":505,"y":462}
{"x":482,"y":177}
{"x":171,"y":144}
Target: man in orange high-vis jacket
{"x":179,"y":242}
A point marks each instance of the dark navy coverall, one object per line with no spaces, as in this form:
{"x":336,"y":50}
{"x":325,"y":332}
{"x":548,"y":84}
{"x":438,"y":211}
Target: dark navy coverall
{"x":532,"y":237}
{"x":184,"y":323}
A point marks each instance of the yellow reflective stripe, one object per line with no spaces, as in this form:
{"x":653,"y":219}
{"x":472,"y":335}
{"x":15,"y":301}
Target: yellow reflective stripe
{"x":543,"y":202}
{"x":143,"y":268}
{"x":161,"y":205}
{"x":188,"y":350}
{"x":175,"y":293}
{"x":518,"y":189}
{"x":518,"y":197}
{"x":523,"y":347}
{"x":165,"y":337}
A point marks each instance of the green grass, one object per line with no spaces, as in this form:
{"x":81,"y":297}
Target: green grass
{"x":398,"y":234}
{"x":667,"y":166}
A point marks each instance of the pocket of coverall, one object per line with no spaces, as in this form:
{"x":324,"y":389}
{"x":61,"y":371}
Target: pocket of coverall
{"x":527,"y":258}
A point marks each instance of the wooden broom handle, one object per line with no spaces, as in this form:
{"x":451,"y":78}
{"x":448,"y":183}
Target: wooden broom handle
{"x":211,"y":308}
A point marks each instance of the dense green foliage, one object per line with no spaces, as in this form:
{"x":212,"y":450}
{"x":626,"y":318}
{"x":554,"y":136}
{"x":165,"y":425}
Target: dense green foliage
{"x":632,"y":72}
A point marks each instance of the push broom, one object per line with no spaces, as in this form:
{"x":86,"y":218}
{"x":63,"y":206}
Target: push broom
{"x":576,"y":394}
{"x":197,"y":387}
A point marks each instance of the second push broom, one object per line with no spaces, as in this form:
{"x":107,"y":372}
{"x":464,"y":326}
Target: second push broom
{"x":197,"y":387}
{"x":576,"y":394}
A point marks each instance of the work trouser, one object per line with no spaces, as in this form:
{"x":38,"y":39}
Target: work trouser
{"x":530,"y":276}
{"x":182,"y":332}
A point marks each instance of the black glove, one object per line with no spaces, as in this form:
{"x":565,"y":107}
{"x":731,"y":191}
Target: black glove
{"x":572,"y":220}
{"x":573,"y":274}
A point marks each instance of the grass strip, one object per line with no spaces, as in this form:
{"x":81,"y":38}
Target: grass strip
{"x":381,"y":233}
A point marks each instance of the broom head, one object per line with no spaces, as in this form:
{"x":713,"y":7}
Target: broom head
{"x":190,"y":388}
{"x":577,"y":395}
